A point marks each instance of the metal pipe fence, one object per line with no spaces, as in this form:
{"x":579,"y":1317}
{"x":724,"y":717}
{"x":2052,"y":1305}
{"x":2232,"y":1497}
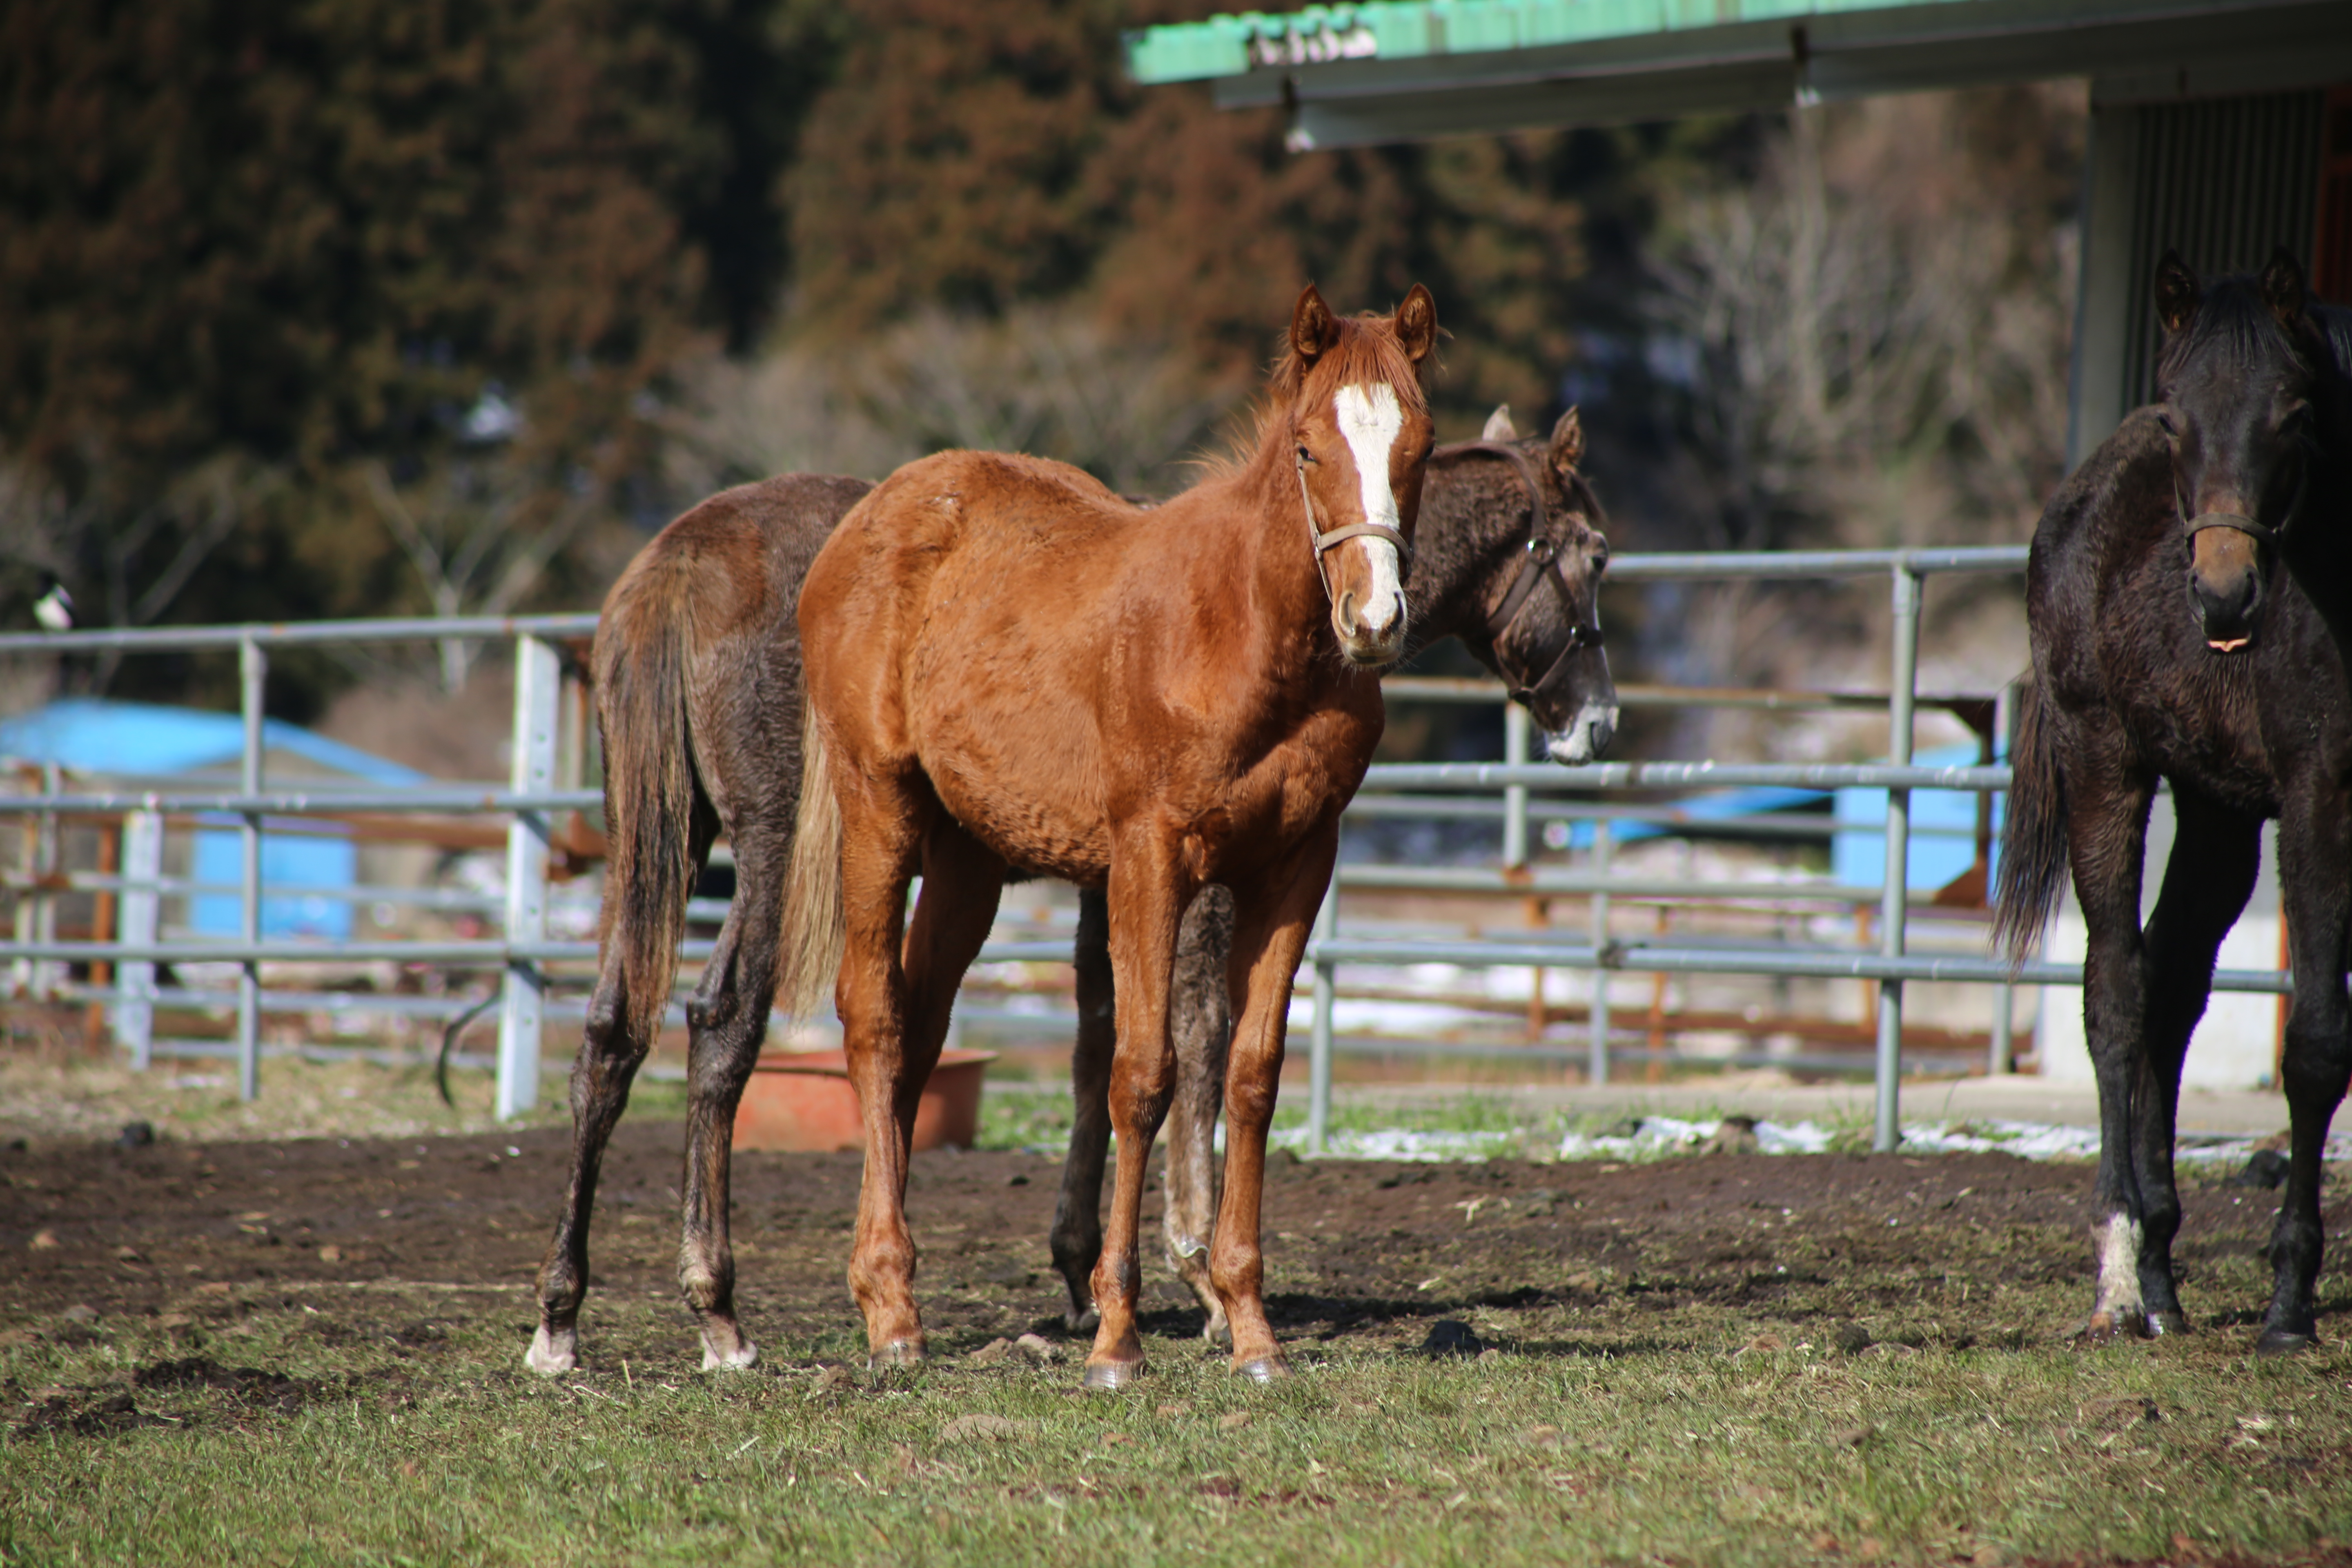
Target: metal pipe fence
{"x":1519,"y":793}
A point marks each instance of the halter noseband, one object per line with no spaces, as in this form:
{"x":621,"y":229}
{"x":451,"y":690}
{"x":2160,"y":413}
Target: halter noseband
{"x":2262,"y":533}
{"x":1540,"y":562}
{"x":1337,"y":536}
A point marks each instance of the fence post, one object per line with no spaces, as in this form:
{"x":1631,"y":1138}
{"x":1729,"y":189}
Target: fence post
{"x":1596,"y":1070}
{"x":1515,"y":796}
{"x":537,"y":681}
{"x":253,"y":670}
{"x":1888,"y":1130}
{"x":142,"y":902}
{"x":45,"y":866}
{"x":1319,"y":1038}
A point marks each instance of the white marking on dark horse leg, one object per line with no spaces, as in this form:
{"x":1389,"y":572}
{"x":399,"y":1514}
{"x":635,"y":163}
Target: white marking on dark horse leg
{"x":552,"y":1352}
{"x":2117,"y":1308}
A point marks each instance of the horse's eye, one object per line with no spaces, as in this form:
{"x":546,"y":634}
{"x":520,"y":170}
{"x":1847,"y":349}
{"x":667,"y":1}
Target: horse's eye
{"x":1305,"y":456}
{"x":2165,"y":423}
{"x":1599,"y":554}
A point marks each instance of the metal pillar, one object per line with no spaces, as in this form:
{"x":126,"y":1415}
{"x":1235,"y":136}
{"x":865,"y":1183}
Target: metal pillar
{"x":1319,"y":1038}
{"x":1895,"y":905}
{"x":253,"y":670}
{"x":1515,"y":796}
{"x":46,"y":972}
{"x":538,"y":679}
{"x":1596,"y":1069}
{"x":134,"y":984}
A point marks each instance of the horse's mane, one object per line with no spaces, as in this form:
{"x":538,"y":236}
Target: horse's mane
{"x":2232,"y":319}
{"x":1368,"y":351}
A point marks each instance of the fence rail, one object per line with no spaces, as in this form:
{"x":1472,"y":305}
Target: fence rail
{"x":523,"y":955}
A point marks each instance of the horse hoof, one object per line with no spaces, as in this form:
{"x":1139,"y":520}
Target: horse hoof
{"x":1083,"y":1323}
{"x":1264,"y":1369}
{"x":2167,"y":1325}
{"x":897,"y":1352}
{"x":1218,"y":1333}
{"x":2280,"y":1341}
{"x":1110,"y":1376}
{"x":744,"y":1355}
{"x":551,"y":1355}
{"x":2106,"y":1328}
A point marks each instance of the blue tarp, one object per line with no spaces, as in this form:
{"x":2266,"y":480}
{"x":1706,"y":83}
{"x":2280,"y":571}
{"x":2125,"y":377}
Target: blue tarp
{"x":147,"y":742}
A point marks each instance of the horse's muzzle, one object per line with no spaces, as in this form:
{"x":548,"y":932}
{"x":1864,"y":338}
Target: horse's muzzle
{"x":1363,"y":644}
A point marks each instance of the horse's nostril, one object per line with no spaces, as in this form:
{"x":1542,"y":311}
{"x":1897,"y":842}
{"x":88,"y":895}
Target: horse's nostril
{"x":1348,"y":613}
{"x":1603,"y":731}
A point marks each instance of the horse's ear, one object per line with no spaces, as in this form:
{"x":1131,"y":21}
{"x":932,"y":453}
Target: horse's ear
{"x":1313,"y":328}
{"x":2177,"y":294}
{"x":2285,"y":290}
{"x":1567,"y":444}
{"x":1416,"y":324}
{"x":1498,"y":427}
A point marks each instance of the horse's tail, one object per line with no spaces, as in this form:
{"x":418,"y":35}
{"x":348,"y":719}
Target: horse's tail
{"x":642,"y":654}
{"x":815,"y":926}
{"x":2033,"y":835}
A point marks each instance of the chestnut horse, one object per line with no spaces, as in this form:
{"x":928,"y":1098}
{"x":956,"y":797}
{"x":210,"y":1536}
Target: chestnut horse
{"x":1507,"y":556}
{"x":2235,"y":692}
{"x":1011,"y":669}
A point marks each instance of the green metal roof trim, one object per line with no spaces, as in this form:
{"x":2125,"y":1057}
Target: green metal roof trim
{"x":1412,"y":29}
{"x":1428,"y":30}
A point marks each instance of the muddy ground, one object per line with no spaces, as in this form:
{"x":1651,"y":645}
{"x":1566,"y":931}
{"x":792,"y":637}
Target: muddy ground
{"x":1946,"y":1249}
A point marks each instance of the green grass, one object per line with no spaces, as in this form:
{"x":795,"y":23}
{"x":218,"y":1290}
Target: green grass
{"x":1655,"y":1450}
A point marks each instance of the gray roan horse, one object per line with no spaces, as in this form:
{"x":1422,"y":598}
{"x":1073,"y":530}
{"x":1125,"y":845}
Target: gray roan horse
{"x":697,"y":674}
{"x":2235,"y":692}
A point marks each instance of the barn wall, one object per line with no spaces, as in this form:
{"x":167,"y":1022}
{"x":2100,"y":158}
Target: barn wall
{"x":2223,"y":181}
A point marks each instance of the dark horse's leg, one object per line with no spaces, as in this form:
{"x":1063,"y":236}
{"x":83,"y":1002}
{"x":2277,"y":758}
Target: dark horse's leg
{"x":727,"y":1023}
{"x":2314,"y":872}
{"x":1201,"y":1020}
{"x":610,"y":1051}
{"x":1077,"y":1215}
{"x":2216,"y":852}
{"x":2106,"y":831}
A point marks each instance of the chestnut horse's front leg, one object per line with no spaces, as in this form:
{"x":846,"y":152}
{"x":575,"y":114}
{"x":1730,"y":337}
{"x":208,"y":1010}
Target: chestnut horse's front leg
{"x":1271,"y":923}
{"x":1146,"y":896}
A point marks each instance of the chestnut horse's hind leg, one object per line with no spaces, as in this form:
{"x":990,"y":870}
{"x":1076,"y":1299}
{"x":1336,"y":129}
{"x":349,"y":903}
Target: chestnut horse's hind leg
{"x":1076,"y":1238}
{"x":1146,"y":896}
{"x":728,"y":1021}
{"x":610,"y":1054}
{"x":1201,"y":1020}
{"x":892,"y":1024}
{"x":2106,"y":827}
{"x":2216,"y":854}
{"x":2316,"y":860}
{"x":1269,"y":936}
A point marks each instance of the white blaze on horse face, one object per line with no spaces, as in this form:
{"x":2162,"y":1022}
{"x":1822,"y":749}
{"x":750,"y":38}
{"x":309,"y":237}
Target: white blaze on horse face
{"x":1370,"y":419}
{"x":1590,"y":731}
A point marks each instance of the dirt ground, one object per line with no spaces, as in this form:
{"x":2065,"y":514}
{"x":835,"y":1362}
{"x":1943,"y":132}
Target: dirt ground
{"x":1946,"y":1249}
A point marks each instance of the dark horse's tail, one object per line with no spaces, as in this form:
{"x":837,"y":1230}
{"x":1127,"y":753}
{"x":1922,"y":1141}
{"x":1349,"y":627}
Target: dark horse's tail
{"x":643,"y":648}
{"x":2033,"y":837}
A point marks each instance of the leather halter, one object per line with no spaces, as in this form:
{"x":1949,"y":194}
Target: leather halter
{"x":1337,"y":536}
{"x":1539,"y":563}
{"x":2190,"y":527}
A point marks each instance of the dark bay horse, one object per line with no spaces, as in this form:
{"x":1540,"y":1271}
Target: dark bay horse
{"x":1009,"y":667}
{"x":698,"y":691}
{"x":1508,"y":558}
{"x":2235,"y":692}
